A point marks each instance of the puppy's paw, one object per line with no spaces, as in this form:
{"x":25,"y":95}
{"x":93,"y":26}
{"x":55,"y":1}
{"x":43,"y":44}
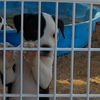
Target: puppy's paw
{"x":29,"y":44}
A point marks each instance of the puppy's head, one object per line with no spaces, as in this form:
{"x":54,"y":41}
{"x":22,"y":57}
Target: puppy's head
{"x":47,"y":29}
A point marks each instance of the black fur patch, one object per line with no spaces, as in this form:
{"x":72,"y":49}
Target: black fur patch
{"x":44,"y":91}
{"x":60,"y":26}
{"x":14,"y":67}
{"x":0,"y":19}
{"x":30,"y":26}
{"x":1,"y":76}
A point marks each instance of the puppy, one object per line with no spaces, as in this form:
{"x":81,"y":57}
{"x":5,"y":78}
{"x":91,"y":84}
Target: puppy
{"x":47,"y":40}
{"x":9,"y":67}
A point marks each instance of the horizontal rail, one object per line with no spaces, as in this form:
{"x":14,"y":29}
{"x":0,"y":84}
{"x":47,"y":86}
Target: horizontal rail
{"x":69,"y":1}
{"x":52,"y":95}
{"x":51,"y":49}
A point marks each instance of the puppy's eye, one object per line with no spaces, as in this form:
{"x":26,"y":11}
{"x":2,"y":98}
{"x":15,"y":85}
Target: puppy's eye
{"x":54,"y":35}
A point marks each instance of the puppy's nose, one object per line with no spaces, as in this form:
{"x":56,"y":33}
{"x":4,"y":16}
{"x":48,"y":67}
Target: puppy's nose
{"x":45,"y":53}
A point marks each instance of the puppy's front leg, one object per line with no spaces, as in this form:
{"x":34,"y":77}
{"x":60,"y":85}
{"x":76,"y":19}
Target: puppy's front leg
{"x":45,"y":70}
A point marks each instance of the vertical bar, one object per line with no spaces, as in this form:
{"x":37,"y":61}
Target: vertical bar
{"x":72,"y":52}
{"x":39,"y":28}
{"x":4,"y":55}
{"x":89,"y":52}
{"x":55,"y":56}
{"x":22,"y":17}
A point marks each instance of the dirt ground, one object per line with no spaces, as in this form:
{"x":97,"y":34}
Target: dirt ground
{"x":80,"y":71}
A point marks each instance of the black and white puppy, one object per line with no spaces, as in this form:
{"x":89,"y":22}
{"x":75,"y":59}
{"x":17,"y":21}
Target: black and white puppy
{"x":9,"y":67}
{"x":47,"y":40}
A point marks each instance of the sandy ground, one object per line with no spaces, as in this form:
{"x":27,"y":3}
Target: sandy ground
{"x":80,"y":71}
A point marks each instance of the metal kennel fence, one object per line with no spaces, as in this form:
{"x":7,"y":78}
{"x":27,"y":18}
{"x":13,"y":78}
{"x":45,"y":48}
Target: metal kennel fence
{"x":89,"y":49}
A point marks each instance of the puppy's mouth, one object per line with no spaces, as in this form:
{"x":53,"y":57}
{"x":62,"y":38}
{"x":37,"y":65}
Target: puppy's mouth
{"x":45,"y":53}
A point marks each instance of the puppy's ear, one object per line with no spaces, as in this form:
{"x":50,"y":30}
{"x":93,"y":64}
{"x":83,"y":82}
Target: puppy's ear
{"x":60,"y":26}
{"x":17,"y":22}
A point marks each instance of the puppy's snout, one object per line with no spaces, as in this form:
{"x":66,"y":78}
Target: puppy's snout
{"x":45,"y":53}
